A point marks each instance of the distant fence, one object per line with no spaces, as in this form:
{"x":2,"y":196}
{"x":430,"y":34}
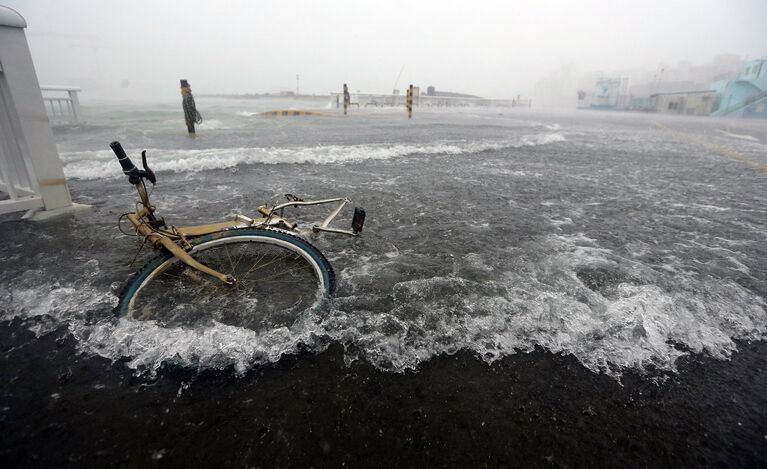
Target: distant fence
{"x":386,"y":100}
{"x":61,"y":103}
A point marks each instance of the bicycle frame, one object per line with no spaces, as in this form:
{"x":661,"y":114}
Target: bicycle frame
{"x":176,"y":239}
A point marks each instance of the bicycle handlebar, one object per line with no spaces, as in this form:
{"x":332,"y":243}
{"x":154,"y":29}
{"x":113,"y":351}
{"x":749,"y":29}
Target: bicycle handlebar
{"x":129,"y":169}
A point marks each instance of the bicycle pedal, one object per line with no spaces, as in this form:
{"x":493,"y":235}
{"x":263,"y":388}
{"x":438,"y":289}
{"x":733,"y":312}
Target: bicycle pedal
{"x":358,"y":220}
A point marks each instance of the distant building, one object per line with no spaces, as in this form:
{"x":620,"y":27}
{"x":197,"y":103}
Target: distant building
{"x":641,"y":103}
{"x":726,"y":87}
{"x":746,"y":95}
{"x":684,"y":76}
{"x":608,"y":93}
{"x":431,"y":91}
{"x":689,"y":103}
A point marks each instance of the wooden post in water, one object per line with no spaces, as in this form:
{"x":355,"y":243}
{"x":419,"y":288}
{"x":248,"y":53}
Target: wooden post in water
{"x":347,"y":98}
{"x":191,"y":116}
{"x":409,"y":102}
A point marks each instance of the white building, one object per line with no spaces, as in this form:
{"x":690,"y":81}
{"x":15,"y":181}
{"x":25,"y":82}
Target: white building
{"x":689,"y":103}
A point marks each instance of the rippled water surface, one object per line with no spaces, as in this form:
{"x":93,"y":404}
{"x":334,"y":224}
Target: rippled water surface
{"x":624,"y":240}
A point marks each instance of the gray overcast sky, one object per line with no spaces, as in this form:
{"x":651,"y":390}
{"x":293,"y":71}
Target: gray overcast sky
{"x":497,"y":49}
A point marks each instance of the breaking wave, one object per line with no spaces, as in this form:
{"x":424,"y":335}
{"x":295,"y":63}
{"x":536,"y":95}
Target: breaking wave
{"x":98,"y":164}
{"x":612,"y":313}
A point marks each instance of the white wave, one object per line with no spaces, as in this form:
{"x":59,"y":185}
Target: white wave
{"x":739,"y":136}
{"x":101,"y":163}
{"x":557,"y":223}
{"x":216,"y":346}
{"x":213,"y":124}
{"x":629,"y":325}
{"x":712,"y":208}
{"x":633,"y":322}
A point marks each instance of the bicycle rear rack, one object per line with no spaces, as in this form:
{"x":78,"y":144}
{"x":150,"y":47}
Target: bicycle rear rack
{"x":357,"y":221}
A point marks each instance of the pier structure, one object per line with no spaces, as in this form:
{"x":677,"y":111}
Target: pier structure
{"x":421,"y":100}
{"x":31,"y":173}
{"x":62,"y":103}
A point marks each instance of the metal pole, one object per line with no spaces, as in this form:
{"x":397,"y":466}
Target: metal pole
{"x":75,"y":104}
{"x":409,"y":101}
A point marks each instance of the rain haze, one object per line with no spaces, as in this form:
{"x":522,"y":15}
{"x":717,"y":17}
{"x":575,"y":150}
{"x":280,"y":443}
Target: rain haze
{"x":492,"y":49}
{"x":383,"y":234}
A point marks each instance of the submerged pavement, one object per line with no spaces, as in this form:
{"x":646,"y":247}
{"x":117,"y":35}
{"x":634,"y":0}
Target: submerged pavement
{"x":550,"y":288}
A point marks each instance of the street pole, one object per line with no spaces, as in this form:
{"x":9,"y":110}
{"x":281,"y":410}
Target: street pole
{"x":409,"y":101}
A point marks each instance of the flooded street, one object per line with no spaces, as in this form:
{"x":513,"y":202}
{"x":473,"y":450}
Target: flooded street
{"x":568,"y":279}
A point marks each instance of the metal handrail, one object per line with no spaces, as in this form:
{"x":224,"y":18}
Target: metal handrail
{"x":68,"y":106}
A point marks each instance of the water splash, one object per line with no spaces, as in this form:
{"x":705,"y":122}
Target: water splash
{"x":99,"y":164}
{"x":611,"y":312}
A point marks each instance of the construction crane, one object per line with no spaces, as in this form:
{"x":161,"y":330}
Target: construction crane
{"x":398,"y":77}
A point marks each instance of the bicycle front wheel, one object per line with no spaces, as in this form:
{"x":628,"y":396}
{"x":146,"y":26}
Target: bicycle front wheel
{"x":279,"y":275}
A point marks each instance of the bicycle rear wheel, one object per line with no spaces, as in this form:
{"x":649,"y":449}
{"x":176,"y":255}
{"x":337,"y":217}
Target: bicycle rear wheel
{"x":279,"y":275}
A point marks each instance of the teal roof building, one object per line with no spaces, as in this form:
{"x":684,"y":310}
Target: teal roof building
{"x":745,"y":96}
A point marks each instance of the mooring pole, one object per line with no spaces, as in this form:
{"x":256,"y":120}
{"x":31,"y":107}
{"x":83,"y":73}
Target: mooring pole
{"x":191,"y":116}
{"x":409,"y":102}
{"x":347,"y":98}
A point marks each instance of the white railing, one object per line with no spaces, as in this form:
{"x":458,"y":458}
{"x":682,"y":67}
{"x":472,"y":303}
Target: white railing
{"x":59,"y":106}
{"x":18,"y":185}
{"x":384,"y":100}
{"x":31,"y":173}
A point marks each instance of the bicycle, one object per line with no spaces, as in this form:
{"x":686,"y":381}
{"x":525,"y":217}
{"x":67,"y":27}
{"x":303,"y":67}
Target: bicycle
{"x":261,"y":265}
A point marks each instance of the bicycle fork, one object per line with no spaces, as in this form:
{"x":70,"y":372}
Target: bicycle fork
{"x":176,"y":250}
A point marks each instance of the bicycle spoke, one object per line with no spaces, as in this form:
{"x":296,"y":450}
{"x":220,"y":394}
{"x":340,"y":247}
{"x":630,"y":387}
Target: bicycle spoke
{"x":255,"y":266}
{"x":242,"y":248}
{"x":264,"y":265}
{"x":278,"y":274}
{"x":231,"y":264}
{"x":255,"y":263}
{"x":273,"y":283}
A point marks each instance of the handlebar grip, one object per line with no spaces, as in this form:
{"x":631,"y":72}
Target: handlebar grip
{"x":128,"y":167}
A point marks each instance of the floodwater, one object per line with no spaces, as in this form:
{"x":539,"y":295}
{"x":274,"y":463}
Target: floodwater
{"x":611,"y":251}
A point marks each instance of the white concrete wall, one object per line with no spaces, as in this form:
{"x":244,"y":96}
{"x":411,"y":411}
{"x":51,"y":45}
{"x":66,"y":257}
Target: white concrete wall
{"x":25,"y":106}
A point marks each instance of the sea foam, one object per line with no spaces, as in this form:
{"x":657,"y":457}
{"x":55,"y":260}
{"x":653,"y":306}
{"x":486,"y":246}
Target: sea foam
{"x":100,"y":163}
{"x":636,"y":320}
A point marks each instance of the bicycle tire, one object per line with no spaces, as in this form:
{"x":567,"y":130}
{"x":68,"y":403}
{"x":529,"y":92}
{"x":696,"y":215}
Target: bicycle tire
{"x":169,"y":279}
